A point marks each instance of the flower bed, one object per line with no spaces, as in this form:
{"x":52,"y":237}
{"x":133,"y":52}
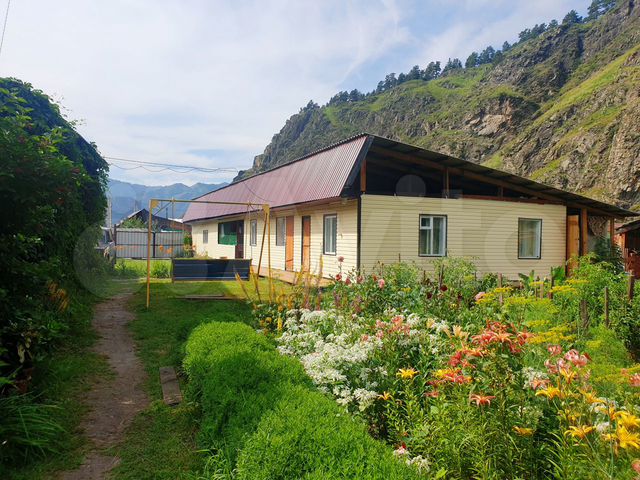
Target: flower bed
{"x":469,"y":380}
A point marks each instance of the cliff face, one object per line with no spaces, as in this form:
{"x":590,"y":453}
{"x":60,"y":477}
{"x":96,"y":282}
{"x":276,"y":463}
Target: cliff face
{"x":562,"y":108}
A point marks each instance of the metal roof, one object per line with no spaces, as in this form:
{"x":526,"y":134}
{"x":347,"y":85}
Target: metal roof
{"x":325,"y":173}
{"x":317,"y":176}
{"x":629,"y":227}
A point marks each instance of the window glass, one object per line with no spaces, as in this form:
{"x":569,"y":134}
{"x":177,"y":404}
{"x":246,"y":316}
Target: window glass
{"x":205,"y":236}
{"x":281,"y":231}
{"x":433,"y":235}
{"x":253,"y":233}
{"x":529,"y":238}
{"x":228,"y":233}
{"x":330,"y":234}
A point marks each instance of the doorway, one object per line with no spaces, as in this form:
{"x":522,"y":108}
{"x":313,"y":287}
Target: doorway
{"x":288,"y":251}
{"x":306,"y":243}
{"x":240,"y":239}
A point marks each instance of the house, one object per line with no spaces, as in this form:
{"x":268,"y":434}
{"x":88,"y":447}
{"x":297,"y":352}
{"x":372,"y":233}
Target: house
{"x":160,"y":223}
{"x":628,"y":238}
{"x":370,"y":199}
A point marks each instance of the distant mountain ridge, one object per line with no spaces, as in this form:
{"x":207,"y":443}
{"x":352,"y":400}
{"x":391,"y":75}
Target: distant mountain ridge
{"x":127,"y":197}
{"x":562,"y":106}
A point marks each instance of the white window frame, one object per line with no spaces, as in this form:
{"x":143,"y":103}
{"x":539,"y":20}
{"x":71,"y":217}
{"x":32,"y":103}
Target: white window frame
{"x":253,"y":233}
{"x":205,"y":236}
{"x":538,"y":244}
{"x":429,"y":228}
{"x":281,"y":231}
{"x":326,"y":249}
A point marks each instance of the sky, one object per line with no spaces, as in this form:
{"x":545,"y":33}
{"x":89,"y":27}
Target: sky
{"x":208,"y":83}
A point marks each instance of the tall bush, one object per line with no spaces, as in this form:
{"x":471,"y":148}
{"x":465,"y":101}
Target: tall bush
{"x":52,"y":185}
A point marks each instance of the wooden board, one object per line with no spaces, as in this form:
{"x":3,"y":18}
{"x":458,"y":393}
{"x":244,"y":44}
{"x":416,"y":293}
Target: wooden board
{"x":306,"y":243}
{"x":171,"y":393}
{"x":289,"y":245}
{"x":573,"y":238}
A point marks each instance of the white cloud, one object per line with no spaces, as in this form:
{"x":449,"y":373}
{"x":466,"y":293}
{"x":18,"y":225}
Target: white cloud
{"x":155,"y":80}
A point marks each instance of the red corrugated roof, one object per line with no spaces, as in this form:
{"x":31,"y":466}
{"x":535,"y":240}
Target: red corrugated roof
{"x":320,"y":175}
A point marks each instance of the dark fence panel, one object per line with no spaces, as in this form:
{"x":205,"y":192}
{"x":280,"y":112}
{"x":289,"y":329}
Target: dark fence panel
{"x":209,"y":269}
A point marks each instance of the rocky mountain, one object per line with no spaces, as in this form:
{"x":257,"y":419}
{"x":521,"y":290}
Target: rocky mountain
{"x":562,"y":107}
{"x":126,"y":197}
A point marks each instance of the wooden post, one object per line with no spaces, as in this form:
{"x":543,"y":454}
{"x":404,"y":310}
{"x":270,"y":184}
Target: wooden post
{"x":269,"y":254}
{"x":446,"y":183}
{"x":606,"y":306}
{"x":584,"y":231}
{"x":151,"y":202}
{"x":363,"y":175}
{"x":501,"y":297}
{"x":631,"y":287}
{"x":584,"y":314}
{"x":552,"y":284}
{"x":264,"y":232}
{"x":542,"y":288}
{"x":612,"y":233}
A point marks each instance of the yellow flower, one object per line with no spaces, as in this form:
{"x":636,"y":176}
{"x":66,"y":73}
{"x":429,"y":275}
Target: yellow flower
{"x":628,"y":440}
{"x":549,"y":392}
{"x":579,"y":432}
{"x":386,"y":396}
{"x":523,"y":431}
{"x":459,"y":333}
{"x":626,"y":419}
{"x":407,"y":374}
{"x":591,"y":397}
{"x":608,"y":410}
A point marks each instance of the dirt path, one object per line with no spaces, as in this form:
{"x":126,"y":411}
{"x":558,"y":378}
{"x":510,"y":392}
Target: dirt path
{"x":115,"y":401}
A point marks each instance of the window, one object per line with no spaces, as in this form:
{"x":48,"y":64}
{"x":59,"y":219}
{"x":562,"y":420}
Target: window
{"x":228,"y":233}
{"x":529,"y":238}
{"x":281,"y":231}
{"x":330,"y":234}
{"x":433,"y":236}
{"x":205,"y":236}
{"x":253,"y":233}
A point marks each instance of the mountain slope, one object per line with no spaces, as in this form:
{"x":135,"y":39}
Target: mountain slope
{"x":562,"y":108}
{"x":129,"y":197}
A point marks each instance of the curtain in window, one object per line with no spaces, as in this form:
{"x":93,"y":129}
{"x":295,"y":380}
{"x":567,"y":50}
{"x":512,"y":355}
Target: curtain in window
{"x":529,"y":237}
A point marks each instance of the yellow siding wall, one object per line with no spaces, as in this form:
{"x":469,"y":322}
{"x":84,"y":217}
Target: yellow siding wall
{"x":484,"y":229}
{"x":346,"y":244}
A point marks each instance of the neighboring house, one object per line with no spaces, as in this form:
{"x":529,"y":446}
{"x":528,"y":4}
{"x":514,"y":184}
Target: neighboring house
{"x":370,"y":199}
{"x":628,"y":237}
{"x":160,"y":223}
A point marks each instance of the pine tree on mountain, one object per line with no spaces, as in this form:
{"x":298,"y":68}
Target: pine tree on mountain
{"x":432,"y":71}
{"x":599,"y":7}
{"x":506,"y":46}
{"x":390,"y":81}
{"x":414,"y":73}
{"x":553,"y":23}
{"x":472,"y":60}
{"x":571,"y":18}
{"x":452,"y":64}
{"x":486,"y":56}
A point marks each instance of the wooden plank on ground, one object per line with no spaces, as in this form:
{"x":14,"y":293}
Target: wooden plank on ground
{"x":171,"y":393}
{"x":210,"y":297}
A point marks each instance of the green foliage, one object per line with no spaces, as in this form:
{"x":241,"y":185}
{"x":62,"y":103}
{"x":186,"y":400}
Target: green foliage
{"x":133,"y":222}
{"x":308,"y":436}
{"x":52,"y":189}
{"x":244,"y":386}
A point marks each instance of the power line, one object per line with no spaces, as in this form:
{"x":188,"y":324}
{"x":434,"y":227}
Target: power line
{"x":169,"y":166}
{"x":4,"y":27}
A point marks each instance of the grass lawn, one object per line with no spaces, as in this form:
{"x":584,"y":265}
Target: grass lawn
{"x":160,"y":444}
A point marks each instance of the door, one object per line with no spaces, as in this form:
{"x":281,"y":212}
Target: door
{"x":288,"y":250}
{"x":573,"y":238}
{"x":240,"y":239}
{"x":306,"y":243}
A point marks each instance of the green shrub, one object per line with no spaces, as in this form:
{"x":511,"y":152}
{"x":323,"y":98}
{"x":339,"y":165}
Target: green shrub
{"x":245,"y":386}
{"x":310,"y":436}
{"x":161,"y":270}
